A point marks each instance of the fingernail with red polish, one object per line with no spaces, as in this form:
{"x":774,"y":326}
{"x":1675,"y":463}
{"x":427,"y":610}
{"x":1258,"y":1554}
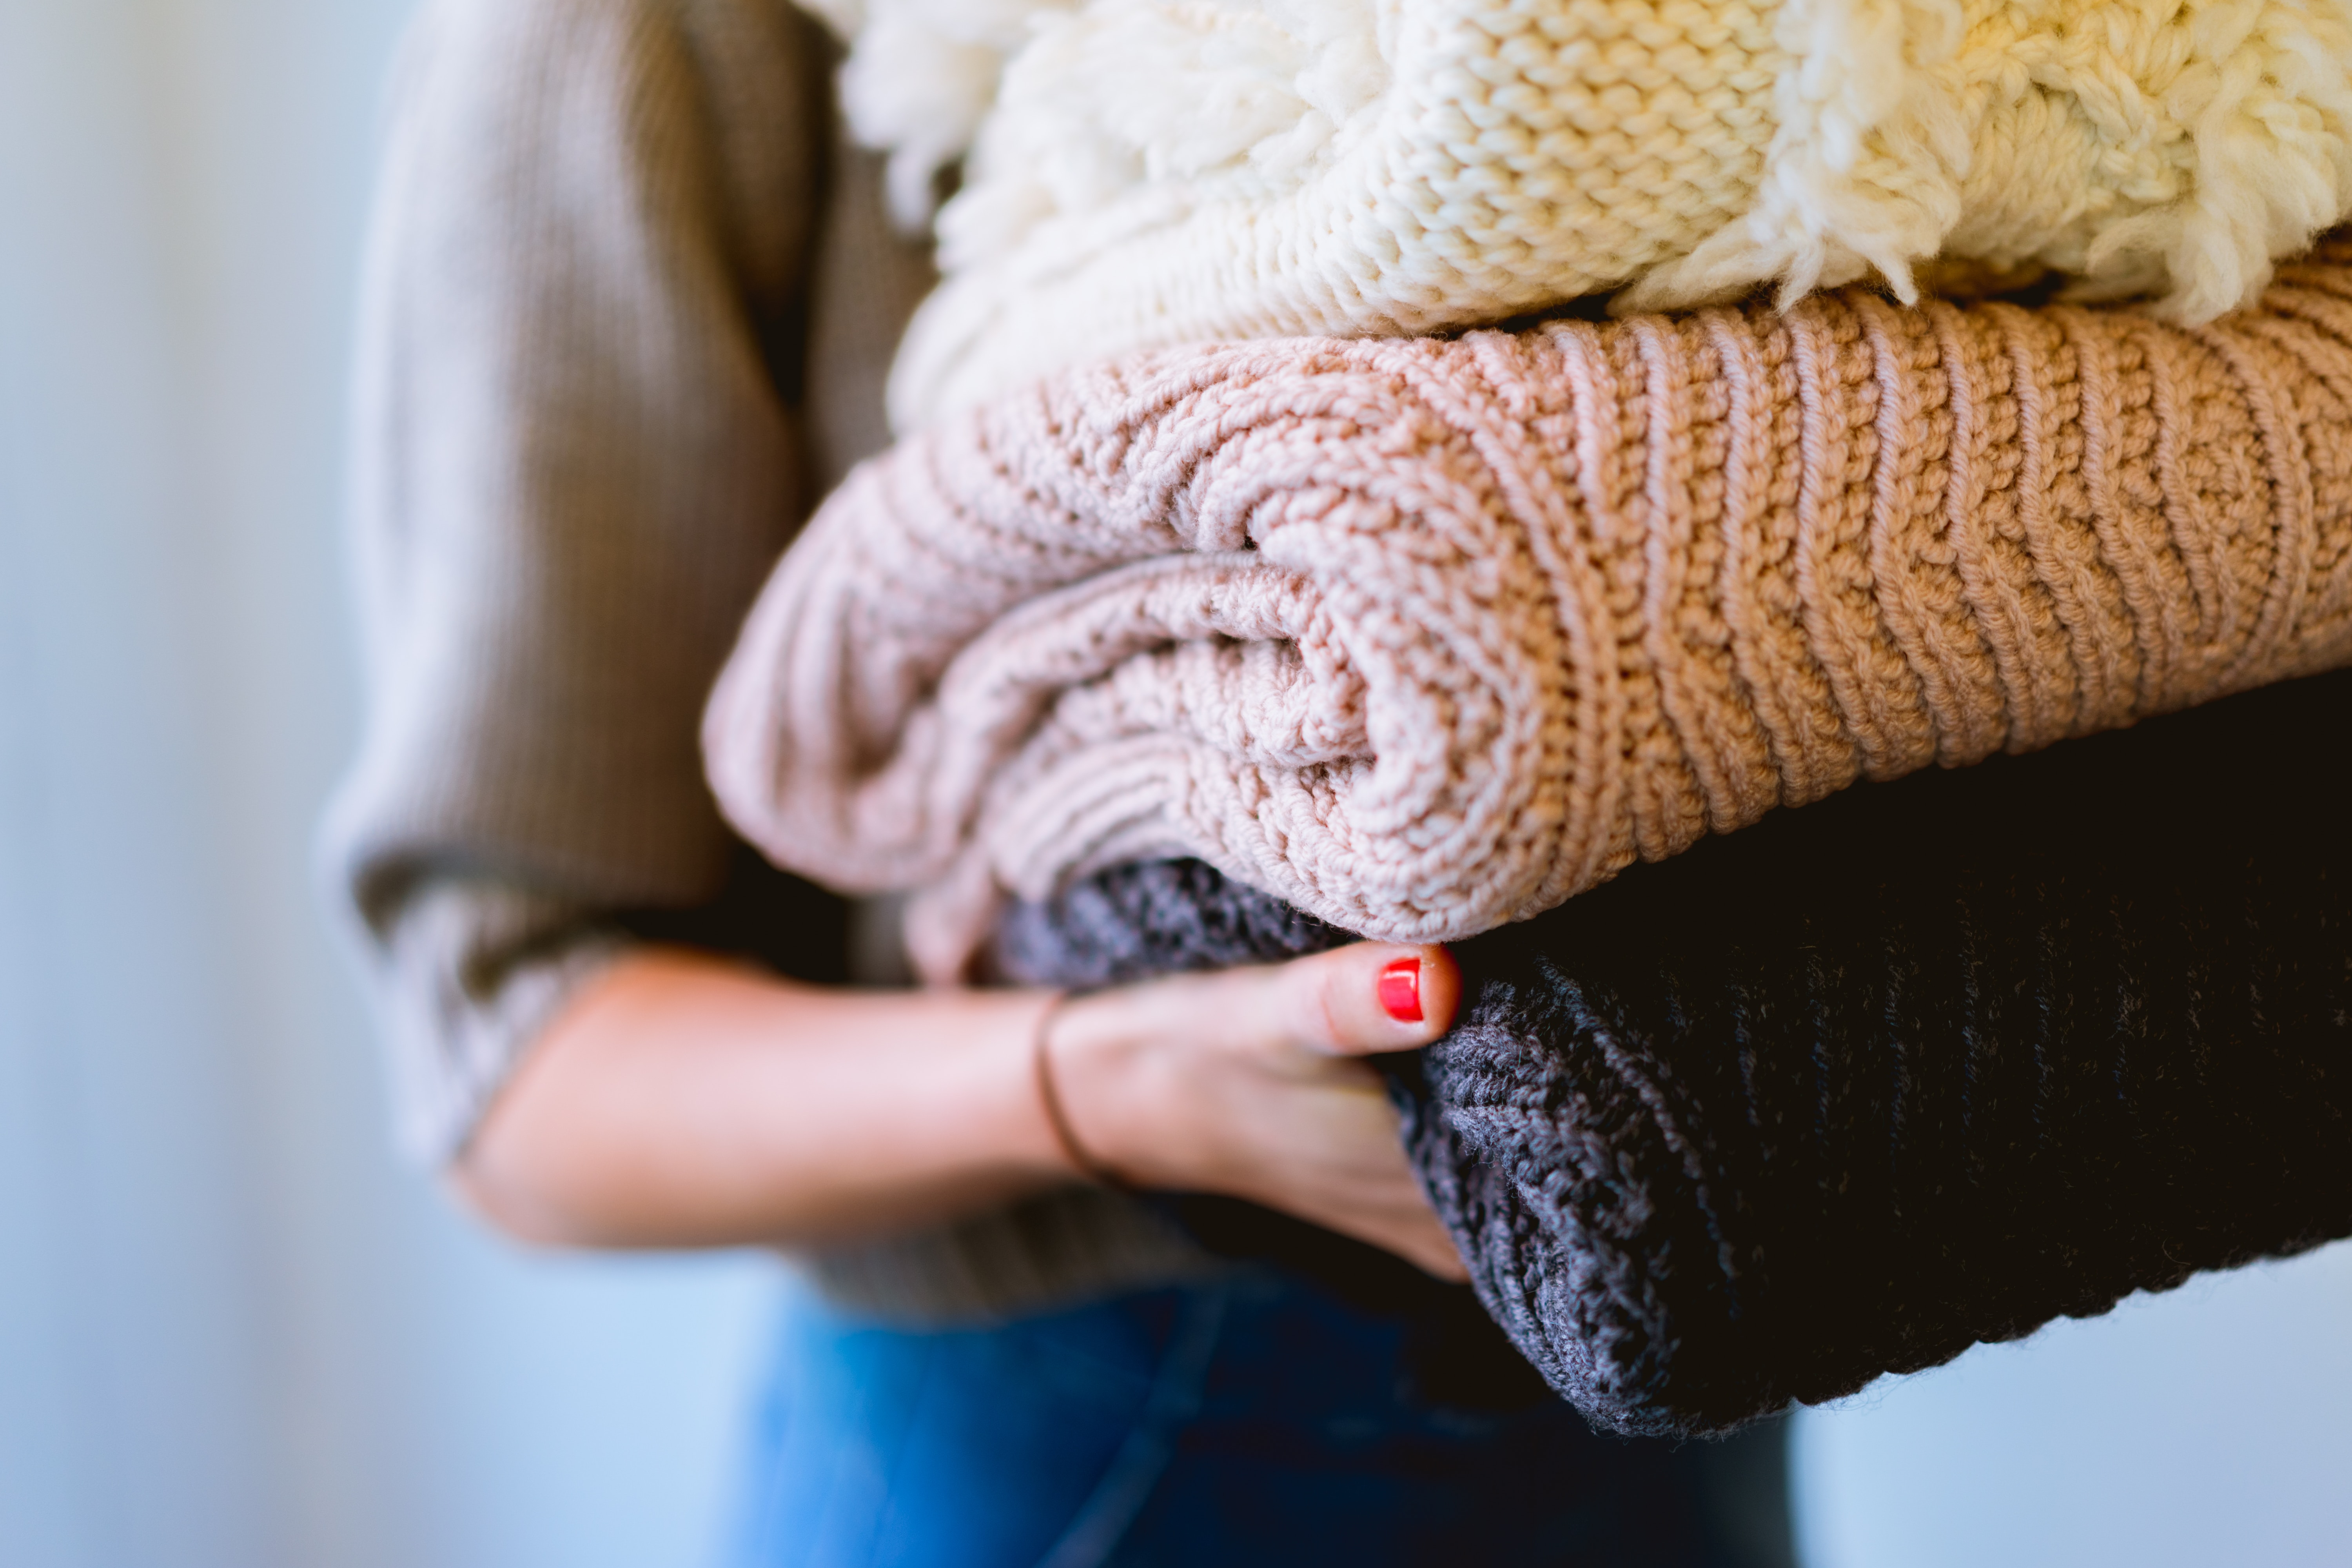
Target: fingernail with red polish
{"x":1400,"y":989}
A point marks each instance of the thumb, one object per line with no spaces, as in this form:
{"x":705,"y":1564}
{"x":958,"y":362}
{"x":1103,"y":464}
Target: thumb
{"x":1371,"y":997}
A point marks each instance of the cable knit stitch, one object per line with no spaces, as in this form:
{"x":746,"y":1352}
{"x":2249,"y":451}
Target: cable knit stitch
{"x":1154,"y":173}
{"x":1426,"y":636}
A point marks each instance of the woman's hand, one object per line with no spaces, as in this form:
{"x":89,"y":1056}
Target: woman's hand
{"x":683,"y":1101}
{"x":1249,"y":1083}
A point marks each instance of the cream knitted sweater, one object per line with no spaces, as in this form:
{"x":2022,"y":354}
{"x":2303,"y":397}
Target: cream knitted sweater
{"x":1161,"y":172}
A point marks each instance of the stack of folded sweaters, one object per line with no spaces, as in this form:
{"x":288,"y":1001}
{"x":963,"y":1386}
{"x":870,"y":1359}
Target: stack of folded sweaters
{"x":1235,"y":650}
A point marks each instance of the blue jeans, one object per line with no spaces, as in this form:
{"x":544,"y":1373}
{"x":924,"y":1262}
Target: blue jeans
{"x":1255,"y":1418}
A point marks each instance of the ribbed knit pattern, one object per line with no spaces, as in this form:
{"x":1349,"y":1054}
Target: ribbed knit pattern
{"x":1927,"y":1065}
{"x":1423,"y":638}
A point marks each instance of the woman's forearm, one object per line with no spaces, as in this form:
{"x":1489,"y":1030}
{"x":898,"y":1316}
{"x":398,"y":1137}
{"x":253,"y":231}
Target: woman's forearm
{"x":685,"y":1101}
{"x":682,"y":1101}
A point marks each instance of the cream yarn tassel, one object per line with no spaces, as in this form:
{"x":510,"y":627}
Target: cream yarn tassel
{"x":921,"y":75}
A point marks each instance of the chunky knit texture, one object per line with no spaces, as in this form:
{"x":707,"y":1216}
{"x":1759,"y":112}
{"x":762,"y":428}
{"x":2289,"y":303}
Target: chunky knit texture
{"x":1927,"y":1065}
{"x":1155,"y":172}
{"x":1423,"y":638}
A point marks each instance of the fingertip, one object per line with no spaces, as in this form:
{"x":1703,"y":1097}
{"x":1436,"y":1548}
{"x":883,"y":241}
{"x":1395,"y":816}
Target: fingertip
{"x":1384,"y":996}
{"x":1399,"y":989}
{"x":1421,"y":987}
{"x":1441,"y":987}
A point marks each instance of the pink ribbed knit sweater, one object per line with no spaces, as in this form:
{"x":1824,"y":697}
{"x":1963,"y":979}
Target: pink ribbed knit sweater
{"x":1424,"y":637}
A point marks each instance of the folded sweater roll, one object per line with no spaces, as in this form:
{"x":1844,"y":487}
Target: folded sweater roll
{"x":1425,"y":637}
{"x":1152,"y":172}
{"x":1926,"y":1065}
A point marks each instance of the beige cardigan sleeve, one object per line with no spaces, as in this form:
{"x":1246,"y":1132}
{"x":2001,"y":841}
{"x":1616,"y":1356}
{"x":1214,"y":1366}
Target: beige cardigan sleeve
{"x":577,"y":451}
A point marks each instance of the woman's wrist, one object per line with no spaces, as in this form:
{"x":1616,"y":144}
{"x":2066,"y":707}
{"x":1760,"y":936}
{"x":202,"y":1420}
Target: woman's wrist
{"x":1075,"y":1152}
{"x":1007,"y":1133}
{"x":1107,"y":1091}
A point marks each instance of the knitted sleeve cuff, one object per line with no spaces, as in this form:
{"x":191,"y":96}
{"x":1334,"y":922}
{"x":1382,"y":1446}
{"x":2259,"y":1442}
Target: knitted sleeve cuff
{"x":464,"y":974}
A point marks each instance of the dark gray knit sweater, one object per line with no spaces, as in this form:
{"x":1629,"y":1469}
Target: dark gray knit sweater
{"x":1927,"y":1064}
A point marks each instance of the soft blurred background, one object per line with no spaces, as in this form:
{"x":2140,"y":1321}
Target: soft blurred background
{"x":233,"y":1332}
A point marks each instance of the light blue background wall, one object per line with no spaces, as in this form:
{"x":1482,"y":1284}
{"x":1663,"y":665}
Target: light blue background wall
{"x":2208,"y":1429}
{"x":233,"y":1334}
